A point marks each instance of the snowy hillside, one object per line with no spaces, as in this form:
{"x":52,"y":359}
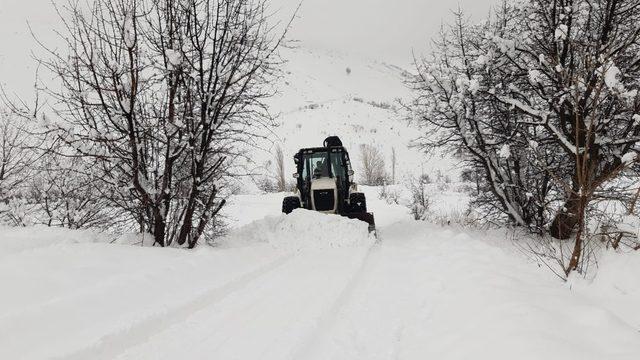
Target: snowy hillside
{"x":325,"y":93}
{"x":307,"y":286}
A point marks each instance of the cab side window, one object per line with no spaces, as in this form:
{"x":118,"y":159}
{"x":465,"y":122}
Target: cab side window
{"x":337,"y":165}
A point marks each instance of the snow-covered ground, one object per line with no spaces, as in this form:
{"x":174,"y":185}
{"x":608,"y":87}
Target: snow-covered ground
{"x":308,"y":286}
{"x":311,"y":286}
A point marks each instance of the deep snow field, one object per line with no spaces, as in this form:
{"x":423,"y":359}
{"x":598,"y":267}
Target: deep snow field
{"x":311,"y":286}
{"x":308,"y":286}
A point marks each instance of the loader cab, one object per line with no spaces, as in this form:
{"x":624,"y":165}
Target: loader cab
{"x":321,"y":162}
{"x":325,"y":164}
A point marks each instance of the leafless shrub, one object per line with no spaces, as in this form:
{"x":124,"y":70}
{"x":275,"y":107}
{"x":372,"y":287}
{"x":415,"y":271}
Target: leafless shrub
{"x":394,"y":163}
{"x":419,"y":202}
{"x":267,"y":184}
{"x":372,"y":164}
{"x":281,"y":179}
{"x":389,"y":194}
{"x":453,"y":217}
{"x":16,"y":155}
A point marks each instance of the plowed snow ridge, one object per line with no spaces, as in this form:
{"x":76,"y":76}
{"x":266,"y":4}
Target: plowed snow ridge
{"x":302,"y":229}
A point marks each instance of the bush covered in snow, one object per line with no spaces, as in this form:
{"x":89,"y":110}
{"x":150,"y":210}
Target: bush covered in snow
{"x":535,"y":123}
{"x":419,"y":203}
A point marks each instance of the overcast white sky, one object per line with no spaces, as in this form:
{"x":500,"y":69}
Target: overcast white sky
{"x":387,"y":29}
{"x":381,"y":29}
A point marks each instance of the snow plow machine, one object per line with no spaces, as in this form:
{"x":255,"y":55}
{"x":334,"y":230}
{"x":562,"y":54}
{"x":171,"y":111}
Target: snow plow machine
{"x":325,"y":183}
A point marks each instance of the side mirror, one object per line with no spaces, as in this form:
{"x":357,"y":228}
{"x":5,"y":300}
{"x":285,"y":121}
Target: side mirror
{"x":350,"y":172}
{"x":296,"y":175}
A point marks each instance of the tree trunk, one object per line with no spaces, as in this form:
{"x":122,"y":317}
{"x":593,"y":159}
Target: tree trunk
{"x":576,"y":255}
{"x":159,"y":228}
{"x":566,"y":219}
{"x":187,"y":221}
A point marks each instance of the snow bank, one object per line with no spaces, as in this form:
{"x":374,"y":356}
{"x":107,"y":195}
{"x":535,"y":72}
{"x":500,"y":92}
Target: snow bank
{"x":619,"y":272}
{"x":301,"y":229}
{"x":18,"y":239}
{"x":616,"y":285}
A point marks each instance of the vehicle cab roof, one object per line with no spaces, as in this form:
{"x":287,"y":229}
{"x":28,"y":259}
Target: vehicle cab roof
{"x":322,"y":149}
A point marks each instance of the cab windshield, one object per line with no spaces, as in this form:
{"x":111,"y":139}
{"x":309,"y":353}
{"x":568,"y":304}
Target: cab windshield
{"x":323,"y":164}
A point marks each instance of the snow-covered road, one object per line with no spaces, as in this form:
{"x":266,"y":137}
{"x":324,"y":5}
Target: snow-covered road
{"x":449,"y":296}
{"x":305,"y":286}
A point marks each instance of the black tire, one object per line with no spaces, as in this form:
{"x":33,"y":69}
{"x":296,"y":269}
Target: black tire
{"x":290,"y":203}
{"x":358,"y":202}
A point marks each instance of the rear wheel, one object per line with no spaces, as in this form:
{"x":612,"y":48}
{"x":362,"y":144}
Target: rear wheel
{"x":290,"y":203}
{"x":358,"y":202}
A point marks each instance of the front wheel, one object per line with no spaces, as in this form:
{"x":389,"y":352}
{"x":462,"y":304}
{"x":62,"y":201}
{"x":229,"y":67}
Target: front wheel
{"x":358,"y":202}
{"x":290,"y":203}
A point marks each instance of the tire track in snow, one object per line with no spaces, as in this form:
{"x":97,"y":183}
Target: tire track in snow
{"x":115,"y":343}
{"x":390,"y":342}
{"x":328,"y":318}
{"x":270,"y":318}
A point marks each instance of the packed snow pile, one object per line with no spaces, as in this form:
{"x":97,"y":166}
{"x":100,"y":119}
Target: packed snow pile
{"x":301,"y":229}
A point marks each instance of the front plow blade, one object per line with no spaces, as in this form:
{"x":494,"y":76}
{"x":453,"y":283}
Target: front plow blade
{"x":366,"y":217}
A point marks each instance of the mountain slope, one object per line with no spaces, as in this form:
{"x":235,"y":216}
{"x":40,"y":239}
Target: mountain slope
{"x":331,"y":93}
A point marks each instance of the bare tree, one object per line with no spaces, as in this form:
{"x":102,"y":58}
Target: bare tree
{"x":372,"y":163}
{"x":16,"y":158}
{"x":15,"y":155}
{"x":394,"y":162}
{"x":280,"y":171}
{"x":159,"y":94}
